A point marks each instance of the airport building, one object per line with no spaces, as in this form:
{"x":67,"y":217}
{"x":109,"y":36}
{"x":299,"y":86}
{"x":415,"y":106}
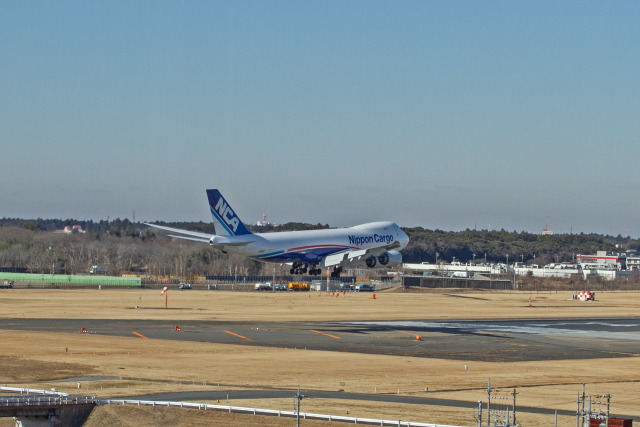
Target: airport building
{"x":603,"y":260}
{"x":633,"y":261}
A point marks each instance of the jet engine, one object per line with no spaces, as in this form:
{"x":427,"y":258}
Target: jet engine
{"x":390,"y":258}
{"x":387,"y":259}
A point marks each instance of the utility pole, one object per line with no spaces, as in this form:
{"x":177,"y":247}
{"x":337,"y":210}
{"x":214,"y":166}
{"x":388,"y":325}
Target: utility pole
{"x":592,"y":407}
{"x":299,"y":397}
{"x":494,"y":416}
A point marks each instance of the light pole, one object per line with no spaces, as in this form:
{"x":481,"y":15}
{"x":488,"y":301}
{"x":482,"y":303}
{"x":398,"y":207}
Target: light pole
{"x":53,"y":264}
{"x":437,"y":255}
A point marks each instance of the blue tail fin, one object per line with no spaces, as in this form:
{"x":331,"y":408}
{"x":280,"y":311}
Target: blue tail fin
{"x":225,"y":220}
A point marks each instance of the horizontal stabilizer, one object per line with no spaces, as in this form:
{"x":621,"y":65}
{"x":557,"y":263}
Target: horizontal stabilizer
{"x":195,"y":239}
{"x":216,"y":244}
{"x":205,"y":236}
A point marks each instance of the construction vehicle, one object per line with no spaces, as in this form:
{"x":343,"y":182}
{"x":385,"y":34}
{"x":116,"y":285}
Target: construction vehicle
{"x":295,"y":286}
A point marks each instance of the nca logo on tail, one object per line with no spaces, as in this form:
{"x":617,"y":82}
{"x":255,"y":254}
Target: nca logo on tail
{"x":226,"y":214}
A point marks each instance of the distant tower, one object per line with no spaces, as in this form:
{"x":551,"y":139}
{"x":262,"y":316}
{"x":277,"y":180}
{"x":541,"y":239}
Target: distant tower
{"x":264,"y":219}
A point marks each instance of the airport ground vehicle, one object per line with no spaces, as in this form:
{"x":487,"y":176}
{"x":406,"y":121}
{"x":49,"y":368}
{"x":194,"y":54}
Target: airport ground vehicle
{"x":295,"y":286}
{"x":262,"y":286}
{"x":98,"y":269}
{"x":6,"y":284}
{"x":184,"y":286}
{"x":364,"y":288}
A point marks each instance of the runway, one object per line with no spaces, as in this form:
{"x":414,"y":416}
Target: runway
{"x":482,"y":340}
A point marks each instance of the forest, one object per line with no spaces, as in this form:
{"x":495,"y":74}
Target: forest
{"x":125,"y":247}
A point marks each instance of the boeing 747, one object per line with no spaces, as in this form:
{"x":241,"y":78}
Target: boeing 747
{"x":309,"y":251}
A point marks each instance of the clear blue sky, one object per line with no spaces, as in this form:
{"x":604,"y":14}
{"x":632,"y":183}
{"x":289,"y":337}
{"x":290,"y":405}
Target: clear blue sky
{"x":440,"y":114}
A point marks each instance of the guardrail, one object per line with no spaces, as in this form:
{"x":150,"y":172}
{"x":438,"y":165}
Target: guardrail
{"x":36,"y":400}
{"x":30,"y":397}
{"x":269,"y":412}
{"x":32,"y":391}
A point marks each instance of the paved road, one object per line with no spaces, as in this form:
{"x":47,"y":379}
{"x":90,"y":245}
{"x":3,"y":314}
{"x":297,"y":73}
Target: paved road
{"x":500,"y":340}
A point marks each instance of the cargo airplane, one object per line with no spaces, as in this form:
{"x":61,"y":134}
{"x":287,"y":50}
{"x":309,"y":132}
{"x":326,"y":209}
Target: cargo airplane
{"x":374,"y":243}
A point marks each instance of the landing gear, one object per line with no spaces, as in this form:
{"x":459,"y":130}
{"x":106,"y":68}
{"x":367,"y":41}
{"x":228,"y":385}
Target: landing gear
{"x":299,"y":268}
{"x":336,"y":272}
{"x":315,"y":271}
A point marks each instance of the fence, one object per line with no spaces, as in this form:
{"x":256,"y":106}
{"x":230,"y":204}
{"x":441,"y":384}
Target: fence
{"x":67,"y":280}
{"x":452,"y":282}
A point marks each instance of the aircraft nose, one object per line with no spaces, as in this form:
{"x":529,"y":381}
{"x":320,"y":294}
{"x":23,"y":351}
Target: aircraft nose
{"x":402,"y":237}
{"x":405,"y":239}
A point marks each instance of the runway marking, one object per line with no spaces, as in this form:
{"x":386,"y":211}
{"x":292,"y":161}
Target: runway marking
{"x":322,"y":333}
{"x":140,"y":335}
{"x":239,"y":336}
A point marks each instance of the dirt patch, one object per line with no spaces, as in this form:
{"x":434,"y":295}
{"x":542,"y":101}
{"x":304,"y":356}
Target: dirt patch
{"x":17,"y":369}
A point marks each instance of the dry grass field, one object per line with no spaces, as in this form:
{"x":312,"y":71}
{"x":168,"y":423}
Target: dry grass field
{"x":40,"y":359}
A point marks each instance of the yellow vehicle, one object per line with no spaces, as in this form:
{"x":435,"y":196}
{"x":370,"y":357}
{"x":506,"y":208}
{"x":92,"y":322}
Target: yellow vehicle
{"x":295,"y":286}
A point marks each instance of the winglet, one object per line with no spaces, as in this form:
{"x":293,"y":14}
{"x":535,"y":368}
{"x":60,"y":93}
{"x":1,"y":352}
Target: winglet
{"x":225,"y":221}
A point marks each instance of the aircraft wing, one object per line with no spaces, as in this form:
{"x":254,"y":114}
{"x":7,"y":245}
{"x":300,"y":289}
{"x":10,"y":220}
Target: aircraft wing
{"x":200,"y":237}
{"x":351,"y":255}
{"x":393,"y":246}
{"x":341,"y":257}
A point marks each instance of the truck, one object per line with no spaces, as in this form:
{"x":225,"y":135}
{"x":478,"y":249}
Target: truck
{"x":6,"y":284}
{"x":98,"y":269}
{"x":364,"y":288}
{"x":262,"y":286}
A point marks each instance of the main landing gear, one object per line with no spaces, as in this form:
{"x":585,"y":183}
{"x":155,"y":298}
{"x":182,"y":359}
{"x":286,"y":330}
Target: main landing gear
{"x":299,"y":268}
{"x":336,"y":272}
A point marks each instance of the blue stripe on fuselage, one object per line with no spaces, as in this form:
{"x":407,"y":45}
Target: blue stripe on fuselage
{"x":307,"y":254}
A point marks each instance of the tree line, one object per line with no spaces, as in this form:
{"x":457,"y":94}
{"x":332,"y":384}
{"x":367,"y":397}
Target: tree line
{"x":122,"y":246}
